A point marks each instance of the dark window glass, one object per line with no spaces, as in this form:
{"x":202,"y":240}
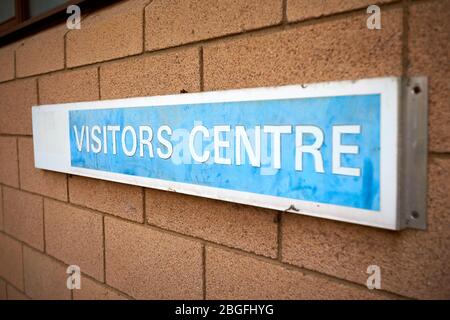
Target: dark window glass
{"x":7,"y":10}
{"x":22,"y":18}
{"x":37,"y":7}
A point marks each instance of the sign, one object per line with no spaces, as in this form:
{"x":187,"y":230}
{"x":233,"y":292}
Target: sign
{"x":327,"y":150}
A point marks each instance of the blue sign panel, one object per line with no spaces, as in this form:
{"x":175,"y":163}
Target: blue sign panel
{"x":324,"y":150}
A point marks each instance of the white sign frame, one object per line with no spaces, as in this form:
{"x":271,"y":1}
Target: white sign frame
{"x":52,"y":146}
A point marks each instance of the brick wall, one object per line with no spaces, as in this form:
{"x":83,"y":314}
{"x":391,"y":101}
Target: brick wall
{"x":134,"y":243}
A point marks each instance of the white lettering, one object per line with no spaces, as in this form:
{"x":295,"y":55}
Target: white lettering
{"x":166,"y":143}
{"x":105,"y":140}
{"x":220,"y":144}
{"x":145,"y":141}
{"x":205,"y":156}
{"x":276,"y":132}
{"x":339,"y":149}
{"x":129,"y":152}
{"x":96,"y":145}
{"x":79,"y":140}
{"x":114,"y":130}
{"x":312,"y":149}
{"x":254,"y":155}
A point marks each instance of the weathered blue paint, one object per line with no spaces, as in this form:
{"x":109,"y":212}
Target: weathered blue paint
{"x":325,"y":112}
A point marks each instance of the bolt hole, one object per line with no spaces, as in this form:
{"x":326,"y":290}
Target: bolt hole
{"x":416,"y":90}
{"x":415,"y":215}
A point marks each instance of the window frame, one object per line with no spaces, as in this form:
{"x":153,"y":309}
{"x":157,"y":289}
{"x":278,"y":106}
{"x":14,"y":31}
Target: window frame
{"x":22,"y":25}
{"x":16,"y":19}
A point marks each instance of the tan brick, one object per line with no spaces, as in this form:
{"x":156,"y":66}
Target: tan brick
{"x":14,"y":294}
{"x":74,"y":236}
{"x":91,"y":290}
{"x":176,"y":22}
{"x":249,"y":228}
{"x":151,"y":75}
{"x":43,"y":52}
{"x":429,"y":55}
{"x":1,"y":208}
{"x":16,"y":99}
{"x":7,"y":62}
{"x":149,"y":264}
{"x":115,"y":198}
{"x":3,"y":295}
{"x":235,"y":276}
{"x":48,"y":183}
{"x":69,"y":86}
{"x":45,"y":278}
{"x":11,"y":260}
{"x":342,"y":49}
{"x":9,"y":171}
{"x":110,"y":33}
{"x":413,"y":263}
{"x":23,"y":217}
{"x":306,"y":9}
